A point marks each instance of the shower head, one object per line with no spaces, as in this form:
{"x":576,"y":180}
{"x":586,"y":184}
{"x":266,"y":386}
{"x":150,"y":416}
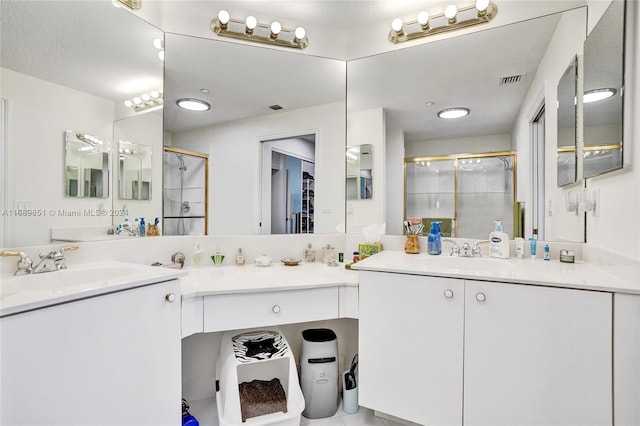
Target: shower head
{"x":182,"y":167}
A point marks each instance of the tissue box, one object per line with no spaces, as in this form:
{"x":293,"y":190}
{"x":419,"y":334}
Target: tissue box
{"x":367,"y":250}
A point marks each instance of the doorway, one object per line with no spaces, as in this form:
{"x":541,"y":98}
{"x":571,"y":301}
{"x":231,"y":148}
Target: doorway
{"x":288,"y":184}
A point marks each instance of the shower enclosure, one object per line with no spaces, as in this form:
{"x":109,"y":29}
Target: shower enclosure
{"x":184,"y":206}
{"x":466,"y":192}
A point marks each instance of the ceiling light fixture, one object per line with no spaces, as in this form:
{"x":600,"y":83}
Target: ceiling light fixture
{"x":145,"y":101}
{"x":598,"y":95}
{"x":252,"y":30}
{"x":192,"y":104}
{"x":456,"y":112}
{"x":158,"y":43}
{"x":452,"y":18}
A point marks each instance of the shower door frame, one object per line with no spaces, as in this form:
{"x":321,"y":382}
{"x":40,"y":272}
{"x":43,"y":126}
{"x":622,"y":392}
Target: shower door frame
{"x":197,"y":154}
{"x":456,"y":159}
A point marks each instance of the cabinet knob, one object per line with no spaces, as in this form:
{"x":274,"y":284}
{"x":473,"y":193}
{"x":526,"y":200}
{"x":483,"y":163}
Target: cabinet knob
{"x":276,"y":309}
{"x":448,"y":293}
{"x":481,"y":297}
{"x":171,"y":297}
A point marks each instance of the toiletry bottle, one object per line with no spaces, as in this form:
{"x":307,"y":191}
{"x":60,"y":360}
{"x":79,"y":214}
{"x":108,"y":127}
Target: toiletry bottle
{"x":519,"y":247}
{"x":142,"y":227}
{"x":434,"y":239}
{"x":239,"y":257}
{"x":499,"y":242}
{"x":309,"y":254}
{"x":547,"y":252}
{"x":534,"y":242}
{"x":197,"y":253}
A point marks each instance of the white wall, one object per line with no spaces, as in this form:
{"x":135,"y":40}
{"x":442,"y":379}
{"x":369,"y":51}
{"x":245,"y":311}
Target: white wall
{"x":234,"y":165}
{"x":475,"y":144}
{"x":36,"y":151}
{"x":566,"y":42}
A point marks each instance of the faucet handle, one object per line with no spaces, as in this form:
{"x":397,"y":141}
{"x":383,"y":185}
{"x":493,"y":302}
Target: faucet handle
{"x":476,"y":247}
{"x":455,"y":248}
{"x":24,"y":263}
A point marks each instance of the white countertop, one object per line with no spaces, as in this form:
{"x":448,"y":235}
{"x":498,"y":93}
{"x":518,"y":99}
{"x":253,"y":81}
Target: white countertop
{"x":27,"y":292}
{"x":230,"y":278}
{"x":522,"y":271}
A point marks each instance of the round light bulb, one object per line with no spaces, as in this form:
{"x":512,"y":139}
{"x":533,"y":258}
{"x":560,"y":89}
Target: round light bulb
{"x":396,"y":25}
{"x":146,"y":97}
{"x":451,"y":11}
{"x":223,"y":17}
{"x":128,"y":103}
{"x":137,"y":100}
{"x":158,"y":43}
{"x":251,"y":22}
{"x":300,"y":33}
{"x":482,"y":5}
{"x":155,"y":94}
{"x":423,"y":18}
{"x":161,"y":55}
{"x":276,"y":28}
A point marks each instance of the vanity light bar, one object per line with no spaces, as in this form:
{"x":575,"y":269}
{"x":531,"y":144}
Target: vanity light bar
{"x":451,"y":19}
{"x":145,"y":101}
{"x":251,"y":30}
{"x":131,"y":4}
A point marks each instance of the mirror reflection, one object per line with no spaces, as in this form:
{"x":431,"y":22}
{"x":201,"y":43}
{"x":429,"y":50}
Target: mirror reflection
{"x":68,"y":65}
{"x":293,"y":96}
{"x":360,"y":172}
{"x":134,"y":171}
{"x":87,"y":160}
{"x":603,"y":93}
{"x":435,"y":77}
{"x":567,"y":93}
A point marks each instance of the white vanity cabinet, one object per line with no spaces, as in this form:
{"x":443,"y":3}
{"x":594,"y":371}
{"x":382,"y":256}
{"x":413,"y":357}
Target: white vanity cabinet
{"x":530,"y":355}
{"x":112,"y":359}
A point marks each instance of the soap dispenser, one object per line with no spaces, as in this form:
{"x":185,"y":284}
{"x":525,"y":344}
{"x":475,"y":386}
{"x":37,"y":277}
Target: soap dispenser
{"x":434,"y":239}
{"x":499,"y":242}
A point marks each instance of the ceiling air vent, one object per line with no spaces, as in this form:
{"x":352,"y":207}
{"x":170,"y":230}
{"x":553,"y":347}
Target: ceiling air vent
{"x":511,"y":79}
{"x":275,"y":107}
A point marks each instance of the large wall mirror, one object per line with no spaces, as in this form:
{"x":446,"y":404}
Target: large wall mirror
{"x":256,"y":95}
{"x":490,"y":72}
{"x":69,"y":65}
{"x":603,"y":92}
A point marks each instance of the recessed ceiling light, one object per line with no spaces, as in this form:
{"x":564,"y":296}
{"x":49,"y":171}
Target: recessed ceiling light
{"x":453,"y":112}
{"x":598,"y":95}
{"x":429,"y":103}
{"x":193,"y":104}
{"x":204,"y":90}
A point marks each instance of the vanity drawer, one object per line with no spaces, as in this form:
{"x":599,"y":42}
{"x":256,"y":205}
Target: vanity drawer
{"x":235,"y":311}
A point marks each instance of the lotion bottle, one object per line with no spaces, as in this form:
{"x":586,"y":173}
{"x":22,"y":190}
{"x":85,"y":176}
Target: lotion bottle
{"x":499,"y":242}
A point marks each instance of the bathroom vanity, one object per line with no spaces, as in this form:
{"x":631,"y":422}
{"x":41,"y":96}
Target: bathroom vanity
{"x":99,"y":344}
{"x":488,"y":341}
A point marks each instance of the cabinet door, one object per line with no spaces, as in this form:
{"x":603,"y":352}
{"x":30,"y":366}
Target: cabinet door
{"x":537,"y":356}
{"x":410,"y":347}
{"x":107,"y":360}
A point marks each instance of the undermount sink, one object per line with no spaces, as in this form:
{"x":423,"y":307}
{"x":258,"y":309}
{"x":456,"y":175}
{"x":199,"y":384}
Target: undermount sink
{"x":475,"y":263}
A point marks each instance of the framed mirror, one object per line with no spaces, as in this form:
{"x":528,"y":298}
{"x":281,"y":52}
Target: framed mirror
{"x":360,"y":172}
{"x":567,"y":95}
{"x":134,"y":171}
{"x":292,"y":95}
{"x":87,"y":165}
{"x":603,"y":93}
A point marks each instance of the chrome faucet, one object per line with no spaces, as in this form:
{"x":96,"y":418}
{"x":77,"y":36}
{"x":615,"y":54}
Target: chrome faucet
{"x":127,"y":229}
{"x":455,"y":248}
{"x":52,"y":261}
{"x":465,"y":250}
{"x":475,"y":251}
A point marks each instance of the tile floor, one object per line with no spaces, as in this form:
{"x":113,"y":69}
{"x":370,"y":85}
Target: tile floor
{"x":205,"y":411}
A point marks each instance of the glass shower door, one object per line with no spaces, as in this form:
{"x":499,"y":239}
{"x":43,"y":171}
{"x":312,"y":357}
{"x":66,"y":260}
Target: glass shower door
{"x":185,"y":192}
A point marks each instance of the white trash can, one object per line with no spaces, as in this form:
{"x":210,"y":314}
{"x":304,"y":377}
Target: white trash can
{"x":319,"y":372}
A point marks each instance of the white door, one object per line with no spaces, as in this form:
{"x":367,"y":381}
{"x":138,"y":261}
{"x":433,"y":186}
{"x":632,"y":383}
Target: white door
{"x":537,"y":356}
{"x":410,"y":347}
